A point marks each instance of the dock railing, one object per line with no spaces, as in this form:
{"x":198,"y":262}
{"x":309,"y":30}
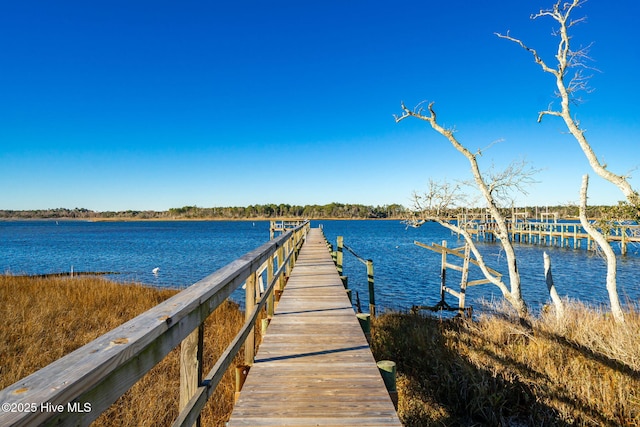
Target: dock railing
{"x":368,"y":263}
{"x":77,"y":388}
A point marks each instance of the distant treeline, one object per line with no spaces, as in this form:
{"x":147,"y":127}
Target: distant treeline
{"x":331,"y":210}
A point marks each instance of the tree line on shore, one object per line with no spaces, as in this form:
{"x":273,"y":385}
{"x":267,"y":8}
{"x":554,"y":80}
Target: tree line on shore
{"x":331,"y":210}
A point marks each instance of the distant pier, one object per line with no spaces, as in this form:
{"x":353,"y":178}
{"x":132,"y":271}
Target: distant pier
{"x":557,"y":232}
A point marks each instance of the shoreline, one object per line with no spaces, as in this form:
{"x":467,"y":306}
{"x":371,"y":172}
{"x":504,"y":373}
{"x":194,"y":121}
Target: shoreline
{"x":125,"y":219}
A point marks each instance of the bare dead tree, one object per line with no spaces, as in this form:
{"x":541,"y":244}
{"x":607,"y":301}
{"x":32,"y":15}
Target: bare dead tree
{"x":435,"y":204}
{"x":551,"y":287}
{"x":569,"y":88}
{"x":610,"y":256}
{"x":488,"y":190}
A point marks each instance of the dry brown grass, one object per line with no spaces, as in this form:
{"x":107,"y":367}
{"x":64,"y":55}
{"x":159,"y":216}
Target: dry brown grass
{"x":583,"y":371}
{"x":46,"y":318}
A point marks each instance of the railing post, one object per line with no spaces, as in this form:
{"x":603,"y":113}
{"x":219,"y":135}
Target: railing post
{"x":271,"y":296}
{"x":250,"y":302}
{"x":372,"y":295}
{"x":339,"y":254}
{"x":191,"y":350}
{"x":280,"y":256}
{"x":464,"y":279}
{"x":443,"y":272}
{"x":291,"y":250}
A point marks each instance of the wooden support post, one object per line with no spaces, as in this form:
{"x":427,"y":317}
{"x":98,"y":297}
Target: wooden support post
{"x":287,"y":268}
{"x":191,"y":366}
{"x":291,"y":251}
{"x":443,"y":272}
{"x":465,"y":277}
{"x":271,"y":297}
{"x":339,"y":254}
{"x":241,"y":375}
{"x":540,"y":234}
{"x":387,"y":370}
{"x":372,"y":291}
{"x":623,"y":240}
{"x":250,"y":302}
{"x":281,"y":279}
{"x":365,"y":324}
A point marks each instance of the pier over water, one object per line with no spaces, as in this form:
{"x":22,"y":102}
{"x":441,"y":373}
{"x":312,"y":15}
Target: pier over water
{"x":314,"y":366}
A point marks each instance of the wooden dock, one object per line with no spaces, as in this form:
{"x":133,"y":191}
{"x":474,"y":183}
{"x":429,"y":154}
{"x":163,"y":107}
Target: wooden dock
{"x":314,"y":366}
{"x":561,"y":234}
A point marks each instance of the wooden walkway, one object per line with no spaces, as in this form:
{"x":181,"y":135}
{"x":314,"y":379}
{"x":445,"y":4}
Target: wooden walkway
{"x":314,"y":366}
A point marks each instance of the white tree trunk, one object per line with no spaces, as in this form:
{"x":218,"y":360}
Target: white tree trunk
{"x":555,"y":298}
{"x":610,"y":256}
{"x":514,"y":295}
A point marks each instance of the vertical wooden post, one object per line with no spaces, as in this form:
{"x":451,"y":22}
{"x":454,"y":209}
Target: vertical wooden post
{"x":465,"y":276}
{"x":365,"y":323}
{"x":339,"y":254}
{"x":291,"y":248}
{"x":443,"y":272}
{"x":250,"y":302}
{"x":241,"y":375}
{"x":191,"y":366}
{"x":623,"y":241}
{"x":540,"y":234}
{"x":372,"y":293}
{"x":287,"y":269}
{"x":388,"y":372}
{"x":271,"y":296}
{"x":280,"y":256}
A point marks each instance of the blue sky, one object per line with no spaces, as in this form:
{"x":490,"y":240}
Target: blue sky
{"x":115,"y":105}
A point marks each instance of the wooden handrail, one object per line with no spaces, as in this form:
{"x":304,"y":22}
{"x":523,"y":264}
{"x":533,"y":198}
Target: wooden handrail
{"x":77,"y":388}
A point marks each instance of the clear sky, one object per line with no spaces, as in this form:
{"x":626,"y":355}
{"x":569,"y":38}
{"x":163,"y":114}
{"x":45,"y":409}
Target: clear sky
{"x":140,"y":104}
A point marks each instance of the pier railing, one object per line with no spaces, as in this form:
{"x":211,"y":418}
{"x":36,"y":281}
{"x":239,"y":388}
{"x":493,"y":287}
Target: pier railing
{"x":368,"y":263}
{"x":77,"y":388}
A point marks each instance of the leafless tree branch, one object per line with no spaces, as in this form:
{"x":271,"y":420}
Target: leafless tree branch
{"x":486,"y":189}
{"x":568,"y":92}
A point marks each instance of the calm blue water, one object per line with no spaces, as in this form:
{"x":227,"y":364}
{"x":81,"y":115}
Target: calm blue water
{"x":185,"y":252}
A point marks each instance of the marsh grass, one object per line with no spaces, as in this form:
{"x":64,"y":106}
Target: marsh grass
{"x":583,"y":371}
{"x":46,"y":318}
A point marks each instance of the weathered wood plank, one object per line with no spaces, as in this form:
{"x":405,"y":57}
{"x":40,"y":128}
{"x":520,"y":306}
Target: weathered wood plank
{"x":314,"y":366}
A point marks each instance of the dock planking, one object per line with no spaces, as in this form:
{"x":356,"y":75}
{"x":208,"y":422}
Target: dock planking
{"x":314,"y":366}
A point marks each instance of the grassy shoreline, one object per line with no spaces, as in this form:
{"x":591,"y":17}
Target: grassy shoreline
{"x":46,"y":318}
{"x":583,"y":371}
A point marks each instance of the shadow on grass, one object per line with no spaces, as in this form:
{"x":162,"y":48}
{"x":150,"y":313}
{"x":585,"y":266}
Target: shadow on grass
{"x":439,"y":383}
